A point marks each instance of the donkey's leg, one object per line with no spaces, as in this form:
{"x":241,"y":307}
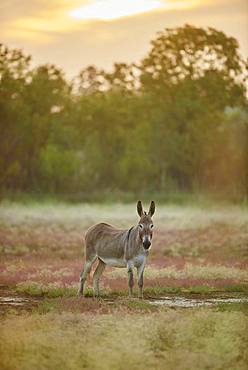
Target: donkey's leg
{"x":96,"y":277}
{"x":130,"y":278}
{"x":85,"y":271}
{"x":140,"y":272}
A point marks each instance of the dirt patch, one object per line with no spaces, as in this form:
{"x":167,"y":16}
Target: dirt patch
{"x":10,"y":301}
{"x":15,"y":301}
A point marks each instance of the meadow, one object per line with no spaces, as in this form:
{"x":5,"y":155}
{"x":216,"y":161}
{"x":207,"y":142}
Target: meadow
{"x":199,"y":251}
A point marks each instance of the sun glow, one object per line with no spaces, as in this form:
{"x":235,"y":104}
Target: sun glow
{"x":112,"y":9}
{"x":78,"y":14}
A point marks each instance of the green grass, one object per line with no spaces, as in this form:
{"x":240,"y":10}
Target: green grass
{"x":233,"y":307}
{"x":36,"y":289}
{"x":47,"y":305}
{"x":136,"y":305}
{"x":239,"y":288}
{"x":161,"y":290}
{"x":202,"y":289}
{"x":53,"y":290}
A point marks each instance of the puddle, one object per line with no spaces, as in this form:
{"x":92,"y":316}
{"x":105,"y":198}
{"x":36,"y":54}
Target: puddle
{"x":194,"y":302}
{"x":15,"y":301}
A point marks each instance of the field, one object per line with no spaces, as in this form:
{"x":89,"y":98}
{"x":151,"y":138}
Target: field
{"x":199,"y":254}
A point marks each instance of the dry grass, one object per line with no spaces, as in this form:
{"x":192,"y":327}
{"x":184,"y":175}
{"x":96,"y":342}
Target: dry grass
{"x":59,"y":229}
{"x":47,"y":273}
{"x":173,"y":340}
{"x":189,"y":271}
{"x":42,"y":245}
{"x":195,"y":250}
{"x":84,"y":215}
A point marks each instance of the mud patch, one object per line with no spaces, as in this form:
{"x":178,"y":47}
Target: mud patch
{"x":14,"y":301}
{"x":183,"y":302}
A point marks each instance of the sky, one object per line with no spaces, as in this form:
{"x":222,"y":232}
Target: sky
{"x":75,"y":33}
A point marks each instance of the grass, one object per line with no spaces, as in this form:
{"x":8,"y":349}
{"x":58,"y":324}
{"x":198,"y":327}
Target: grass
{"x":109,"y":197}
{"x":53,"y":290}
{"x":98,"y":306}
{"x":195,"y":289}
{"x":167,"y":339}
{"x":233,"y":307}
{"x":162,"y":290}
{"x":194,"y":271}
{"x":50,"y":290}
{"x":59,"y":229}
{"x":196,"y":251}
{"x":170,"y":196}
{"x":189,"y":271}
{"x":168,"y":216}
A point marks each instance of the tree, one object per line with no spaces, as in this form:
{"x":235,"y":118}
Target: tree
{"x":14,"y":76}
{"x":192,"y":52}
{"x":177,"y":120}
{"x":191,"y":75}
{"x":45,"y":95}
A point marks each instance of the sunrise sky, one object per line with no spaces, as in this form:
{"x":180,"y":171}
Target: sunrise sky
{"x":75,"y":33}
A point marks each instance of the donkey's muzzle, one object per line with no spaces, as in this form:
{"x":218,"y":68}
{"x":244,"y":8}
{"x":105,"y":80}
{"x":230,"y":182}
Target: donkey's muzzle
{"x":146,"y":243}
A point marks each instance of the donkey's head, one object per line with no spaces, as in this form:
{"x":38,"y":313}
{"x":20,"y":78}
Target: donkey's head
{"x":146,"y":224}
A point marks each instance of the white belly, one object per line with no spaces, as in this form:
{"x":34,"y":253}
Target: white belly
{"x":136,"y":261}
{"x":114,"y":262}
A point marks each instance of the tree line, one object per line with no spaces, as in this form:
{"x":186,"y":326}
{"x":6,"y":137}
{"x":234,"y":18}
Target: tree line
{"x":175,"y":121}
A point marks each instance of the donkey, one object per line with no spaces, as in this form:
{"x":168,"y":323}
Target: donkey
{"x":119,"y":248}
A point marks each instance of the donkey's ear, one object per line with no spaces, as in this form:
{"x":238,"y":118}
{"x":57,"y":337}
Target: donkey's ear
{"x":151,"y":209}
{"x":140,"y":208}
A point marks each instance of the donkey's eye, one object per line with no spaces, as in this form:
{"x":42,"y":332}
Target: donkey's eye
{"x":141,"y":226}
{"x":151,"y":226}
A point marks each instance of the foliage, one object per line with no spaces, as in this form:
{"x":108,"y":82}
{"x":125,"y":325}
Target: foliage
{"x":177,"y":120}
